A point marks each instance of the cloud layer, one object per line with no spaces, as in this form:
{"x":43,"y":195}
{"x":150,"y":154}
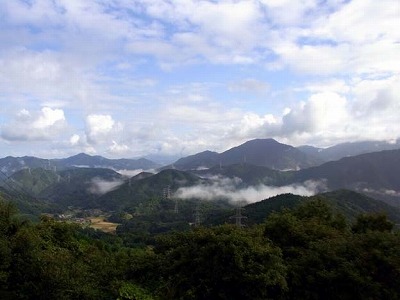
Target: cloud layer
{"x":227,"y":188}
{"x":129,"y":78}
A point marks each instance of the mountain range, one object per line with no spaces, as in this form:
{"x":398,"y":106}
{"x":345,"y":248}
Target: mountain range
{"x":274,"y":155}
{"x":81,"y":181}
{"x":374,"y":173}
{"x":10,"y":165}
{"x":339,"y":151}
{"x":260,"y":152}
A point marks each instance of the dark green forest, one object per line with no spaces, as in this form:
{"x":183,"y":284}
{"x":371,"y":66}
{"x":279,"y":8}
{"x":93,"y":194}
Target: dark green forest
{"x":307,"y":252}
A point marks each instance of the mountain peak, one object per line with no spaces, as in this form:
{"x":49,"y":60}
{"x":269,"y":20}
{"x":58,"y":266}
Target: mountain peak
{"x":260,"y":152}
{"x":263,"y":142}
{"x":81,"y":155}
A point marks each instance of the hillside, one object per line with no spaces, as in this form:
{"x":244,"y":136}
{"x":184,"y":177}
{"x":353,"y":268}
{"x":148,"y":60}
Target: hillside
{"x":133,"y":194}
{"x":204,"y":159}
{"x":28,"y":206}
{"x":34,"y":181}
{"x":9,"y":165}
{"x":349,"y":203}
{"x":376,"y":171}
{"x":80,"y":187}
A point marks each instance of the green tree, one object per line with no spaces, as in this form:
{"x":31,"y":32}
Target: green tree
{"x":372,"y":222}
{"x":327,"y":260}
{"x":312,"y":238}
{"x":224,"y":262}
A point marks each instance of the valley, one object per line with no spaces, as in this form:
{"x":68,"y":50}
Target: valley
{"x":262,"y":210}
{"x":207,"y":183}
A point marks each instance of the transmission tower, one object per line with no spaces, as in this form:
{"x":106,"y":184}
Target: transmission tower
{"x":197,"y":216}
{"x":167,"y":192}
{"x":176,"y":210}
{"x":238,"y":216}
{"x":167,"y":195}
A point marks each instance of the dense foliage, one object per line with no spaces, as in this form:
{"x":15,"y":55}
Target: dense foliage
{"x":309,"y":252}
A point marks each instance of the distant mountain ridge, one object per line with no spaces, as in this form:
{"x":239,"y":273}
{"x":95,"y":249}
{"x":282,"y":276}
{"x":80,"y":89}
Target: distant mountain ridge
{"x":375,"y":174}
{"x":259,"y":152}
{"x":80,"y":181}
{"x":374,"y":170}
{"x":342,"y":150}
{"x":10,"y":165}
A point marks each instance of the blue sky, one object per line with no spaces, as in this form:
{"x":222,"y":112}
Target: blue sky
{"x":126,"y":78}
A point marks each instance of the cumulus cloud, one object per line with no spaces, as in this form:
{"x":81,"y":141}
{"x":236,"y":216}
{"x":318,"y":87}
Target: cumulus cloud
{"x":100,"y":128}
{"x":118,"y":149}
{"x":329,"y":117}
{"x":34,"y":126}
{"x":90,"y":56}
{"x":74,"y":139}
{"x":322,"y":112}
{"x":227,"y":188}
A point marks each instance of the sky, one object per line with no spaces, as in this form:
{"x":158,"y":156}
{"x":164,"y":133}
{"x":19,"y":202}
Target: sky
{"x":128,"y":78}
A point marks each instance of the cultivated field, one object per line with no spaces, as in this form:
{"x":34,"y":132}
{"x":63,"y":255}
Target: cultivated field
{"x":100,"y":224}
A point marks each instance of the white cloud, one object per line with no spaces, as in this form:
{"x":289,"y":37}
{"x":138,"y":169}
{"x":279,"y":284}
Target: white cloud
{"x":316,"y":59}
{"x":334,"y":85}
{"x":100,"y":186}
{"x":220,"y":32}
{"x":74,"y":139}
{"x":48,"y":118}
{"x":35,"y":126}
{"x":102,"y":59}
{"x":371,"y":110}
{"x":321,"y":113}
{"x":226,"y":188}
{"x":251,"y":85}
{"x":286,"y":12}
{"x":101,"y":128}
{"x":118,"y":149}
{"x":130,"y":173}
{"x":343,"y":40}
{"x":353,"y":23}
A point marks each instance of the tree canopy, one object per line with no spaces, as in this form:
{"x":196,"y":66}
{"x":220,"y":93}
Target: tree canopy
{"x":309,"y":252}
